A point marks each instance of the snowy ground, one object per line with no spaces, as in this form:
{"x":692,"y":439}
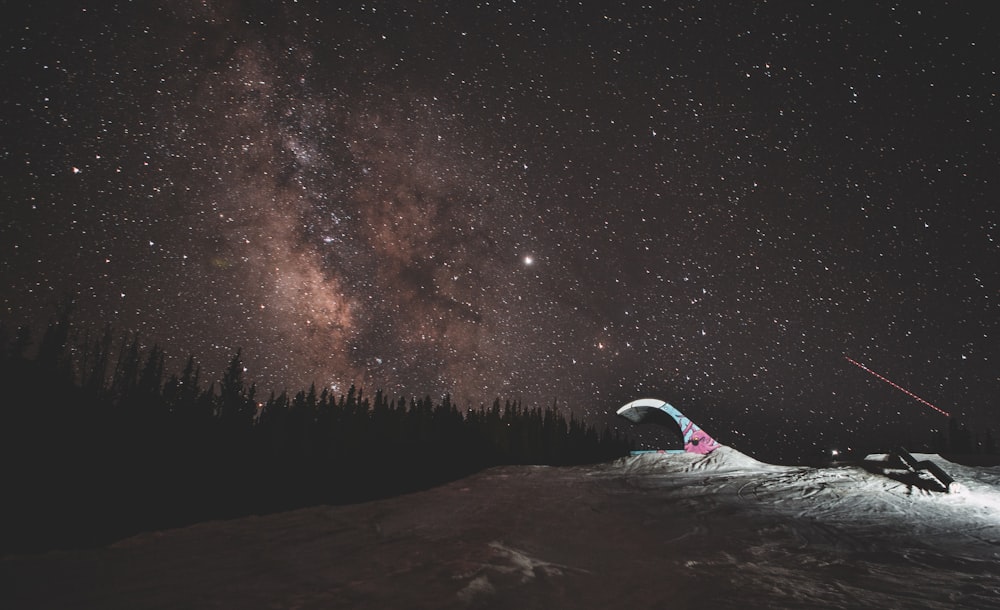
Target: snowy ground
{"x":654,"y":531}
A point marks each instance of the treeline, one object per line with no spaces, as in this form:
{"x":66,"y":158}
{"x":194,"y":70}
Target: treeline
{"x":98,"y":443}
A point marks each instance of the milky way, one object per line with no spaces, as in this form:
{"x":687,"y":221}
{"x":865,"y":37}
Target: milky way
{"x":711,"y":204}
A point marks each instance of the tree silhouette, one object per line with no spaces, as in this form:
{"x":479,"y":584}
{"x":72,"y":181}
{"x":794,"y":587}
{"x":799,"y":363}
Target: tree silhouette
{"x":91,"y":456}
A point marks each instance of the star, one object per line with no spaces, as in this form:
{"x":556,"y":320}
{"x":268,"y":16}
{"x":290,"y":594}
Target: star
{"x":467,"y":202}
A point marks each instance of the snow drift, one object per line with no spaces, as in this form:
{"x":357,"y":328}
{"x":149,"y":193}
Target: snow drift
{"x":655,"y":530}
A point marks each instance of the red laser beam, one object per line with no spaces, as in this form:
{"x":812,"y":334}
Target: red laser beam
{"x":897,"y":386}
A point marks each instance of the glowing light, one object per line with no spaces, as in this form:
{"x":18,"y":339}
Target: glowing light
{"x":897,"y":386}
{"x":529,"y":260}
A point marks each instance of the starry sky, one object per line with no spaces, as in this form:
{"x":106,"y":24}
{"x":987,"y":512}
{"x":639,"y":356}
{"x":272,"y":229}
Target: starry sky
{"x":711,"y":203}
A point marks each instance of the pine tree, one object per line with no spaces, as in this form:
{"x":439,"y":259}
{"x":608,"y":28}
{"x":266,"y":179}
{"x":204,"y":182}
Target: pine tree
{"x":235,"y":407}
{"x":126,"y":370}
{"x":52,"y":359}
{"x":150,"y":379}
{"x":95,"y":371}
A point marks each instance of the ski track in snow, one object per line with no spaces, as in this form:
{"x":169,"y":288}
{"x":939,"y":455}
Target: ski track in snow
{"x":651,"y":531}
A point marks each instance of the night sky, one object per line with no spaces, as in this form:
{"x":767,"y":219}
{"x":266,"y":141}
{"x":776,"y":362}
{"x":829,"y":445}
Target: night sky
{"x":711,"y":203}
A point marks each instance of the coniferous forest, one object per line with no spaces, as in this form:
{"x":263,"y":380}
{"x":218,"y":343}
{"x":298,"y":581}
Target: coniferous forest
{"x":100,"y":443}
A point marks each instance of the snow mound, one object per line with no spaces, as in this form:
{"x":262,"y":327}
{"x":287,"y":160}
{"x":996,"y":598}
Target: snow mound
{"x":725,"y":459}
{"x":507,"y":568}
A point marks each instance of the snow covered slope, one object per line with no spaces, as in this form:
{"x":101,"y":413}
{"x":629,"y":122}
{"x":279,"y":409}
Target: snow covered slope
{"x":652,"y":531}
